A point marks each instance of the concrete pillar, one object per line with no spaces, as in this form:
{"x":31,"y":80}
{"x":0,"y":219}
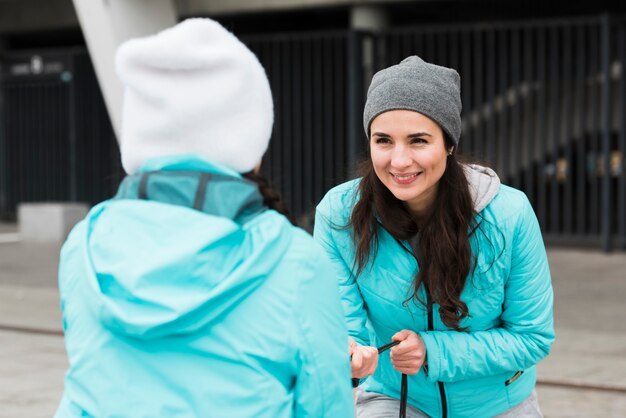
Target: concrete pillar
{"x":108,"y":23}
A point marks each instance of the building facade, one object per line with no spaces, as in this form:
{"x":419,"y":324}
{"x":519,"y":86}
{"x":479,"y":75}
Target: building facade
{"x":543,"y":89}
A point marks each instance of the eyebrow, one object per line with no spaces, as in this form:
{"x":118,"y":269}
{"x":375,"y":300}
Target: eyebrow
{"x":415,"y":135}
{"x":419,"y":134}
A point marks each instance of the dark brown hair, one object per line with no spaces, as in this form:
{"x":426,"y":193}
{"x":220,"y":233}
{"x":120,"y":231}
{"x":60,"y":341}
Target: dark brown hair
{"x":444,"y":249}
{"x":271,"y":198}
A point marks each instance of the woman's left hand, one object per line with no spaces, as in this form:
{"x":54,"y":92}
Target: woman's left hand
{"x":408,"y":356}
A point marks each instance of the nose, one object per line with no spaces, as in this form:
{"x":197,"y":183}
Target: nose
{"x":400,"y":157}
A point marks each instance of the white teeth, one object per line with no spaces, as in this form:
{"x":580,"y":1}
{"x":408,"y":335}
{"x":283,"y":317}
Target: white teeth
{"x":406,"y":177}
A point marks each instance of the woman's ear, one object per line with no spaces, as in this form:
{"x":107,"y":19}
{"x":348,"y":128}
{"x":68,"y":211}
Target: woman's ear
{"x":451,"y":150}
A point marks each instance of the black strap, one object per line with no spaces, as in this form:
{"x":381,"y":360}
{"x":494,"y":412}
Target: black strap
{"x":142,"y":193}
{"x":404,"y":388}
{"x":201,"y":191}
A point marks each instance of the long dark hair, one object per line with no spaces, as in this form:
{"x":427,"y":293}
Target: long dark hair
{"x":444,"y":248}
{"x":271,"y":198}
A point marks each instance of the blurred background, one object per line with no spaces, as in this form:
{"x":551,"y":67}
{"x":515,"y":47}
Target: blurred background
{"x":544,"y":104}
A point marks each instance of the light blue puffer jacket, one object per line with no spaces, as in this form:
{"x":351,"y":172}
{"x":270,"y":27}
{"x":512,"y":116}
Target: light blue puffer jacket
{"x":226,"y":310}
{"x":509,"y":296}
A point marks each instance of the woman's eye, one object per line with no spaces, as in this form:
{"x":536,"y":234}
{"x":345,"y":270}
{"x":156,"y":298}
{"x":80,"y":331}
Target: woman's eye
{"x":418,"y":141}
{"x":381,"y":140}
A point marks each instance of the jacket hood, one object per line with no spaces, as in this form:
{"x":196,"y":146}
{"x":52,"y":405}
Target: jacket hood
{"x":484,"y":184}
{"x":160,"y":268}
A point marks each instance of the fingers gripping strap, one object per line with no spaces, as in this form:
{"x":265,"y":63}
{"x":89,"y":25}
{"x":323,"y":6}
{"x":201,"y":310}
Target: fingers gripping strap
{"x":404,"y":388}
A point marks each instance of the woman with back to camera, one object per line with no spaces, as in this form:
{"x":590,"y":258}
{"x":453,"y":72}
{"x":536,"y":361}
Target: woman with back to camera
{"x":188,"y":294}
{"x":438,"y":257}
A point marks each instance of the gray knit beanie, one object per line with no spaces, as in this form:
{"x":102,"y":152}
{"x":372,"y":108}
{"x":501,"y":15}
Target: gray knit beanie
{"x":414,"y":84}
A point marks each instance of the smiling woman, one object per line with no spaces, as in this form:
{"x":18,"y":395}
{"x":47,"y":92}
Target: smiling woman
{"x":438,"y":256}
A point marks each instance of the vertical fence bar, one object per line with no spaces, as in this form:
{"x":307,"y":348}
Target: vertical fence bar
{"x":307,"y":122}
{"x":286,"y":121}
{"x":477,"y":150}
{"x":261,"y":48}
{"x":466,"y":93}
{"x":396,"y":53}
{"x":566,"y":116}
{"x":581,"y":123}
{"x":3,"y":149}
{"x":340,"y":166}
{"x":405,"y":45}
{"x":529,"y":117}
{"x":50,"y":178}
{"x":606,"y":134}
{"x":490,"y":56}
{"x":73,"y":157}
{"x":540,"y":136}
{"x":298,"y":156}
{"x":621,"y":182}
{"x":516,"y":165}
{"x":318,"y":188}
{"x":453,"y":56}
{"x":430,"y":46}
{"x":354,"y":97}
{"x":419,"y":43}
{"x":554,"y":136}
{"x":592,"y":128}
{"x":276,"y":142}
{"x":442,"y":48}
{"x":328,"y":110}
{"x":503,"y":129}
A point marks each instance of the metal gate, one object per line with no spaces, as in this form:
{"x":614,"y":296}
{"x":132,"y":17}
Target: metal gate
{"x":56,"y":141}
{"x":543,"y":103}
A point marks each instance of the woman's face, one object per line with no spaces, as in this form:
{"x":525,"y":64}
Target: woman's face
{"x":409,"y":156}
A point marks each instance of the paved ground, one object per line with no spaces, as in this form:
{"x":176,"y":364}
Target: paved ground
{"x":590,"y":296}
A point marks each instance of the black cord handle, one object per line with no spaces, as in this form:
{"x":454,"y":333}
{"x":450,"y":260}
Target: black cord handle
{"x":386,"y":347}
{"x":404,"y":388}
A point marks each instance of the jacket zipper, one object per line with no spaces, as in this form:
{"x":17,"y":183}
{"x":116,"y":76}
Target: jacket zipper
{"x":431,"y":327}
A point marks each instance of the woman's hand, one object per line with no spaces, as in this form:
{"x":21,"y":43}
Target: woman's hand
{"x":408,"y":356}
{"x":364,"y":359}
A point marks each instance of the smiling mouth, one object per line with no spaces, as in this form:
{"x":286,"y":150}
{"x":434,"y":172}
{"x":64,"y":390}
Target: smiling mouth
{"x":405,"y":178}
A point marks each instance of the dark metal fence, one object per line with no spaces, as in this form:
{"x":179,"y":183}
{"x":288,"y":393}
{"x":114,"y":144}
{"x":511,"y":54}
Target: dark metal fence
{"x":56,"y":141}
{"x":317,"y":84}
{"x":543,"y":103}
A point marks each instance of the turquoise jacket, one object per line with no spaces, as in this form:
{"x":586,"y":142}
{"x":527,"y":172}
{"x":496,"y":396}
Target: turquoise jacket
{"x":184,"y":297}
{"x":509,"y":296}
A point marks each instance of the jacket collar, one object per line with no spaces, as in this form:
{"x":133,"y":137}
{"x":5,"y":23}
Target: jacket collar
{"x":195,"y":184}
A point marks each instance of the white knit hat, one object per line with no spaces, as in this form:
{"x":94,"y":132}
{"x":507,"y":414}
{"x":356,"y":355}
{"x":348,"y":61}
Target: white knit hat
{"x":193,"y":89}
